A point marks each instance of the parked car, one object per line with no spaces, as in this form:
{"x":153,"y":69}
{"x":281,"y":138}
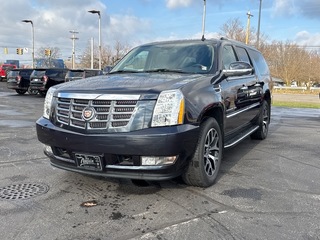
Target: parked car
{"x":19,"y":79}
{"x":76,"y":74}
{"x":4,"y":69}
{"x":167,"y":109}
{"x":42,"y":79}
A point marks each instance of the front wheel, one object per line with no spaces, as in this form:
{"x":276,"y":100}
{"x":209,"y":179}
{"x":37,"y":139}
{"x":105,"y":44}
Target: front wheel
{"x":21,"y":92}
{"x":205,"y":164}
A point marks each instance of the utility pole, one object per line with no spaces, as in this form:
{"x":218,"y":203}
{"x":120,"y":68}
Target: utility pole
{"x":73,"y":38}
{"x":248,"y":27}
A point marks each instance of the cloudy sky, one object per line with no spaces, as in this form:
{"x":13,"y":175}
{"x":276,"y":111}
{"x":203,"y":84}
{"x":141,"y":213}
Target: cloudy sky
{"x":139,"y":21}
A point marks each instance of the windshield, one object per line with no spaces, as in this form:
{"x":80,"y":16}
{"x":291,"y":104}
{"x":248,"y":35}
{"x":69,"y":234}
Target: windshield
{"x":168,"y":57}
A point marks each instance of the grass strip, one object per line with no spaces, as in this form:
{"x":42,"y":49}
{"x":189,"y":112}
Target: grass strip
{"x":295,"y":104}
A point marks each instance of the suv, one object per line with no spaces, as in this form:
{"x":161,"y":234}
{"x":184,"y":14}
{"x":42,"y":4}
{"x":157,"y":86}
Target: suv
{"x":19,"y":79}
{"x":4,"y":69}
{"x":42,"y":79}
{"x":167,"y":109}
{"x":76,"y":74}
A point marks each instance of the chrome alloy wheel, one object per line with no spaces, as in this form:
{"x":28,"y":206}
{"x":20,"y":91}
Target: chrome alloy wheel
{"x":265,"y":119}
{"x":211,"y":152}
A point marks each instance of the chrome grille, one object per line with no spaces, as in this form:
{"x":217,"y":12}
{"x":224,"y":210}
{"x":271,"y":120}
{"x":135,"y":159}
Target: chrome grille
{"x":107,"y":113}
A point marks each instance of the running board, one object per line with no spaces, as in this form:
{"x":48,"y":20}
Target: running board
{"x":237,"y":140}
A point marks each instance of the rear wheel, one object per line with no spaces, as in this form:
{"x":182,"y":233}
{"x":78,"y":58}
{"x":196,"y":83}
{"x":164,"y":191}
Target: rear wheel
{"x":32,"y":92}
{"x":263,"y":121}
{"x":42,"y":93}
{"x":205,"y":164}
{"x":19,"y":91}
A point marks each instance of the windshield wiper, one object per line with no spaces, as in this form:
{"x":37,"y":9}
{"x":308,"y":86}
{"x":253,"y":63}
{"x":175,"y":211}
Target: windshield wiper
{"x":165,"y":70}
{"x":125,"y":71}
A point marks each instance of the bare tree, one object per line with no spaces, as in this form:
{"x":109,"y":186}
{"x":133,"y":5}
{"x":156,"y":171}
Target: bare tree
{"x":109,"y":55}
{"x":54,"y":52}
{"x":234,"y":29}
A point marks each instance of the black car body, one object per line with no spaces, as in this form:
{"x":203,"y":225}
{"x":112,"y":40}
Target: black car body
{"x":42,"y":79}
{"x":19,"y":79}
{"x":166,"y":109}
{"x":76,"y":74}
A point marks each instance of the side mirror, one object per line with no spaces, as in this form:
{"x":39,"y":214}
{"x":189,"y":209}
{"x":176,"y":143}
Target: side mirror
{"x":238,"y":69}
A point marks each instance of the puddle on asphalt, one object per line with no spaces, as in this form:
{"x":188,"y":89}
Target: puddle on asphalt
{"x":16,"y":123}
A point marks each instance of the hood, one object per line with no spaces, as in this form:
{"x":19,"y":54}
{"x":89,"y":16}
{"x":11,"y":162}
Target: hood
{"x":130,"y":83}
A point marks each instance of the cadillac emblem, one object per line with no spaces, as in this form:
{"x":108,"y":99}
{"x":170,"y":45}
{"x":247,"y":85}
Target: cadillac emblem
{"x":87,"y":113}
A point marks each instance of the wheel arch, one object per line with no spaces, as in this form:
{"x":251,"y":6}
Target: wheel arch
{"x":216,"y":111}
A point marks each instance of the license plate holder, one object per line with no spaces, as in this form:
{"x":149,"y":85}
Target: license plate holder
{"x":89,"y":161}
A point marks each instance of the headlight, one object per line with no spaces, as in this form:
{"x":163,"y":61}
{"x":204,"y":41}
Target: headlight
{"x":169,"y":109}
{"x":48,"y":102}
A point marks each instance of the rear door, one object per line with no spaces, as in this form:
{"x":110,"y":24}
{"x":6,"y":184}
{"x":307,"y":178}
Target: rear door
{"x":237,"y":92}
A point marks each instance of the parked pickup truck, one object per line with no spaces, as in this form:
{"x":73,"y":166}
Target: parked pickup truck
{"x":167,"y":109}
{"x":4,"y":69}
{"x":42,"y":79}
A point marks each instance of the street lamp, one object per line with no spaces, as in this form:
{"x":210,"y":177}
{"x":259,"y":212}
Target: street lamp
{"x":29,"y":21}
{"x":258,"y":32}
{"x":98,"y":12}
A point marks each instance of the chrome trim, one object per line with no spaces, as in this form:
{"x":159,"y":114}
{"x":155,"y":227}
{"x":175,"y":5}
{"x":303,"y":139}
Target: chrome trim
{"x":136,"y":167}
{"x":95,"y":96}
{"x":243,"y":110}
{"x":243,"y":137}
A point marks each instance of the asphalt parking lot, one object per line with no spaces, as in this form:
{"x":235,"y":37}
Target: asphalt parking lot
{"x":266,"y":190}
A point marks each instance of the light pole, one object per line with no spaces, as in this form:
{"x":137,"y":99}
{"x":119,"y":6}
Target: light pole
{"x":98,"y":12}
{"x":73,"y":46}
{"x":258,"y":32}
{"x":29,"y":21}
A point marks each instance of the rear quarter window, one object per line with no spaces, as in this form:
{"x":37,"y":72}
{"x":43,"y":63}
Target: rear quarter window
{"x":259,"y":62}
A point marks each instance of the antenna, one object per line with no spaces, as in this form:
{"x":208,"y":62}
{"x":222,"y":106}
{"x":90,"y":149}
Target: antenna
{"x":203,"y":19}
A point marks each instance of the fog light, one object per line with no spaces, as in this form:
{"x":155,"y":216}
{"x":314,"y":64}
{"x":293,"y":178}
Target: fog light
{"x":157,"y":161}
{"x":48,"y":150}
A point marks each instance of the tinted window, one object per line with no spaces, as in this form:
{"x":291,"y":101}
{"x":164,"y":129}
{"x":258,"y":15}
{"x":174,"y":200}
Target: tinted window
{"x":38,"y":73}
{"x":56,"y":73}
{"x":259,"y":61}
{"x":71,"y":74}
{"x":13,"y":73}
{"x":242,"y":55}
{"x":228,"y":56}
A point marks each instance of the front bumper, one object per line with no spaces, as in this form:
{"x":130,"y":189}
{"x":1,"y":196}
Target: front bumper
{"x":177,"y":141}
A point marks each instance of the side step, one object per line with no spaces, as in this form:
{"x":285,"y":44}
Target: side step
{"x":240,"y":137}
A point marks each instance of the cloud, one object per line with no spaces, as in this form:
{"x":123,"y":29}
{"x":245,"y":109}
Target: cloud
{"x":306,"y":8}
{"x":309,"y":8}
{"x":304,"y":38}
{"x":284,"y":7}
{"x":171,"y":4}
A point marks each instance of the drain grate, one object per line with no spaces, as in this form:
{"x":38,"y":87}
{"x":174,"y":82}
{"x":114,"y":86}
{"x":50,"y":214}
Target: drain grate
{"x":23,"y":191}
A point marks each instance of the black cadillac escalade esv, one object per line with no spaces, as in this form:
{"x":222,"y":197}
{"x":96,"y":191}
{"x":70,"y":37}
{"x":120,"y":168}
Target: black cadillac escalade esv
{"x":166,"y":109}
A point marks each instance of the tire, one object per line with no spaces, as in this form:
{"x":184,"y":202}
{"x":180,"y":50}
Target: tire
{"x":32,"y":92}
{"x":263,"y":122}
{"x":205,"y":164}
{"x":42,"y":93}
{"x":21,"y":92}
